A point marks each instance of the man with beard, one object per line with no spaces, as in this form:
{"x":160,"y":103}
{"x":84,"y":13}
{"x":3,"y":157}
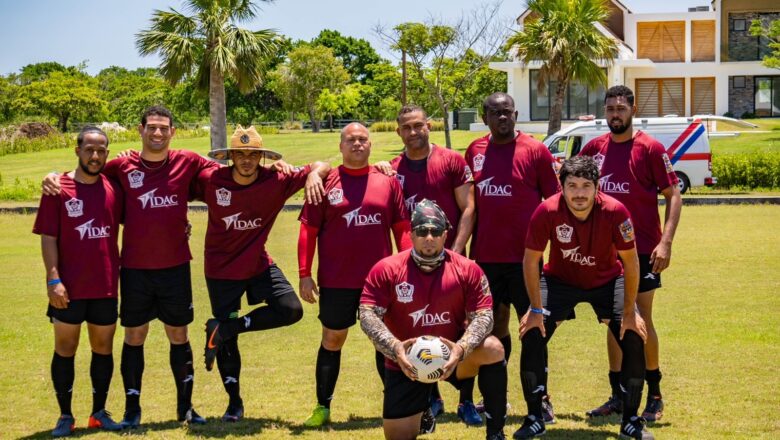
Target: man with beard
{"x":512,"y":173}
{"x":634,"y":169}
{"x":244,"y":201}
{"x":429,"y":290}
{"x":79,"y":229}
{"x":353,"y":228}
{"x":587,"y":230}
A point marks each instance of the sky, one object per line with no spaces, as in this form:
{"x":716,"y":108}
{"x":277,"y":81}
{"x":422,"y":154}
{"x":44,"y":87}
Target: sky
{"x":102,"y":33}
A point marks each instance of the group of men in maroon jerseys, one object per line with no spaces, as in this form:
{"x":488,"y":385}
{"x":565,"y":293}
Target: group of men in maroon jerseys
{"x":606,"y":248}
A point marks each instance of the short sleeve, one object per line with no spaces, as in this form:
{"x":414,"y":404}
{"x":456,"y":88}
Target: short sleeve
{"x":313,"y":215}
{"x":399,"y":206}
{"x":590,"y":149}
{"x":538,"y":229}
{"x":545,"y":172}
{"x":622,"y":228}
{"x":296,"y":181}
{"x":200,"y":183}
{"x":47,"y":221}
{"x":376,"y":288}
{"x":661,"y":167}
{"x":460,"y":172}
{"x":477,"y":289}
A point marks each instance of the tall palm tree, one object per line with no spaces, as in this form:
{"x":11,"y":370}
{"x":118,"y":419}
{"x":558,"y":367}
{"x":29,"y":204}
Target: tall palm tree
{"x":209,"y":45}
{"x":562,"y":35}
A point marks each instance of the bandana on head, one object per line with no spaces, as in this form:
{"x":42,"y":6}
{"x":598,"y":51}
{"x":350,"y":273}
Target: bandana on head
{"x":428,"y":214}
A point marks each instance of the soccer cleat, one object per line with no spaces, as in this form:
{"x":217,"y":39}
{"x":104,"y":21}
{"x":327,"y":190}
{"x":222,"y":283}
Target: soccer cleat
{"x":496,"y":436}
{"x":318,"y":418}
{"x":102,"y":419}
{"x":548,"y":414}
{"x":654,"y":409}
{"x":468,"y":413}
{"x":427,"y":422}
{"x":233,"y":413}
{"x":532,"y":427}
{"x":191,"y":417}
{"x":437,"y":406}
{"x":64,"y":427}
{"x":635,"y":428}
{"x":131,"y":420}
{"x":213,"y":341}
{"x":612,"y":406}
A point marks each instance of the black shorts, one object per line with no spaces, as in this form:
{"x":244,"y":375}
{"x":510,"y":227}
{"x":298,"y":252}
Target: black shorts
{"x":147,"y":294}
{"x":560,"y":299}
{"x":225,"y":295}
{"x":648,"y":280}
{"x":507,"y":285}
{"x":101,"y":311}
{"x":405,"y":397}
{"x":339,"y":307}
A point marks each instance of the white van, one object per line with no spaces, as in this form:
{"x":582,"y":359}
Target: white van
{"x":686,"y":140}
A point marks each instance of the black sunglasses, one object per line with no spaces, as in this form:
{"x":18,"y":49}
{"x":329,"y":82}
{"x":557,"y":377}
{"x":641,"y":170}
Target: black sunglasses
{"x":423,"y":232}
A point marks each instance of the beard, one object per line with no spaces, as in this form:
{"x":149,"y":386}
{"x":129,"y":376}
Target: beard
{"x":85,"y":167}
{"x":620,"y":129}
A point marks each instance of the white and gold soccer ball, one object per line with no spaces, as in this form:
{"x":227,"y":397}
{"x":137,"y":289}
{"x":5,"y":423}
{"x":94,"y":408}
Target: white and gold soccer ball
{"x":428,"y":355}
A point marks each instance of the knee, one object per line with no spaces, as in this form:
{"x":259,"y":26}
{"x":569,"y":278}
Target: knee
{"x":66,"y":348}
{"x":135,"y":336}
{"x":177,"y":335}
{"x":293,"y":313}
{"x":493,"y":349}
{"x":333,"y":340}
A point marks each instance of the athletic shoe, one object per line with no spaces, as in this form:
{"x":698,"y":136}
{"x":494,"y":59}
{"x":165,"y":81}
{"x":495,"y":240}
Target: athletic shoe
{"x":496,"y":436}
{"x":319,"y":417}
{"x":635,"y":428}
{"x":102,"y":419}
{"x":654,"y":409}
{"x":213,"y":340}
{"x":612,"y":406}
{"x":233,"y":413}
{"x":64,"y":427}
{"x":548,"y":414}
{"x":131,"y":420}
{"x":532,"y":427}
{"x":427,"y":422}
{"x":468,"y":413}
{"x":437,"y":406}
{"x":191,"y":417}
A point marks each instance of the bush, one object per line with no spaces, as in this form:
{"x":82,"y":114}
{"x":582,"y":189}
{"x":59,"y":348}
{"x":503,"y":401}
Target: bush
{"x":748,"y":115}
{"x":748,"y":170}
{"x":385,"y":126}
{"x":294,"y":125}
{"x":26,"y":145}
{"x":20,"y":190}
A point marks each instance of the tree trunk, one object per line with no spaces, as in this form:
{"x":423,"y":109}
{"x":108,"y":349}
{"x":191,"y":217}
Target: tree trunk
{"x":330,"y":122}
{"x":447,"y":139}
{"x":62,"y":122}
{"x":217,"y":112}
{"x":315,"y":123}
{"x":556,"y":109}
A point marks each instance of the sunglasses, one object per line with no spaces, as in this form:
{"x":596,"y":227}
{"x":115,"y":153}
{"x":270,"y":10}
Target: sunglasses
{"x":423,"y":232}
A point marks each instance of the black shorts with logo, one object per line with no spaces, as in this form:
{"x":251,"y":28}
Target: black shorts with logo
{"x":225,"y":295}
{"x":405,"y":397}
{"x":648,"y":280}
{"x":339,"y":307}
{"x":102,"y":311}
{"x":165,"y":294}
{"x":560,"y":299}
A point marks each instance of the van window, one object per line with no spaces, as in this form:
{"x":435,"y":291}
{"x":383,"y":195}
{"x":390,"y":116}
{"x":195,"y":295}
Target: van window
{"x":558,"y":145}
{"x":575,"y":143}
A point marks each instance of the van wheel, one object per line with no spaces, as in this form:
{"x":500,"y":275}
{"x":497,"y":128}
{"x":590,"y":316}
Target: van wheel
{"x":683,"y":182}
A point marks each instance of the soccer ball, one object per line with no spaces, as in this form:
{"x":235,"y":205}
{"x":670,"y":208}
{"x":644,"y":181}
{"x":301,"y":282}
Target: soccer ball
{"x":428,"y":355}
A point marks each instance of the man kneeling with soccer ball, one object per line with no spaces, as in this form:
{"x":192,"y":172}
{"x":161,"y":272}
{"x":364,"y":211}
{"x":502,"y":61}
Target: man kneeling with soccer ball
{"x":431,"y":291}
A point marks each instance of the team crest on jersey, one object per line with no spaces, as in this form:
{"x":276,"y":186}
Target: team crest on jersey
{"x":135,"y":178}
{"x":467,"y":174}
{"x":404,"y":292}
{"x":627,"y":230}
{"x":668,"y":163}
{"x":409,"y":202}
{"x":400,"y":178}
{"x":75,"y":207}
{"x":336,"y":196}
{"x":599,"y":159}
{"x":564,"y":233}
{"x":223,"y":197}
{"x":484,"y":286}
{"x":479,"y":162}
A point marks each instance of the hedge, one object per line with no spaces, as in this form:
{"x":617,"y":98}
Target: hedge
{"x":747,"y":170}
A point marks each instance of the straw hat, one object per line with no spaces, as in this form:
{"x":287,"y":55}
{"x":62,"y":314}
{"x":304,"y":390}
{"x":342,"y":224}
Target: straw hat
{"x":245,"y":139}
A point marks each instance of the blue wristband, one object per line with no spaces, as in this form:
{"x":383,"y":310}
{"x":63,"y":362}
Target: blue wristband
{"x":535,"y":310}
{"x":53,"y":282}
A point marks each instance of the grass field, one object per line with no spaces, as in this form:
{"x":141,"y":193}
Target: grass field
{"x":718,"y":316}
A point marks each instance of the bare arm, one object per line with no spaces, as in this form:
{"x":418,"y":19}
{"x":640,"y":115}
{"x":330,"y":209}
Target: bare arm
{"x":531,"y":276}
{"x":58,"y":295}
{"x":464,"y":196}
{"x":315,"y":189}
{"x":662,"y":254}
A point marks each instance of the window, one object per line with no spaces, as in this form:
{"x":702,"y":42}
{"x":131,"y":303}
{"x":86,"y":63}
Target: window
{"x":659,"y":97}
{"x":738,"y":24}
{"x":738,"y":82}
{"x":577,"y":101}
{"x":661,"y":41}
{"x":702,"y":40}
{"x":767,"y":96}
{"x":703,"y":96}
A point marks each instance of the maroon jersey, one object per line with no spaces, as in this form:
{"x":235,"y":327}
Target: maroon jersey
{"x":156,"y":207}
{"x":241,"y":217}
{"x":633,"y":172}
{"x":419,"y":303}
{"x":354,"y":225}
{"x":583,"y":254}
{"x":511,"y":180}
{"x":444,"y":171}
{"x":85,"y":219}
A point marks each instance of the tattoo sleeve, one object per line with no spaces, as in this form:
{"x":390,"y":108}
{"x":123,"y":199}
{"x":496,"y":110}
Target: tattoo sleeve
{"x":372,"y":325}
{"x":480,"y":326}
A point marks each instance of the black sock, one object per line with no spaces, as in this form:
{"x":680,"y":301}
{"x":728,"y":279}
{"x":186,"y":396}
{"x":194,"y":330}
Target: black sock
{"x":546,"y":371}
{"x":62,"y":375}
{"x":132,"y":367}
{"x":101,"y":368}
{"x":229,"y":365}
{"x":435,"y":393}
{"x":379,"y":359}
{"x":632,"y":369}
{"x":327,"y":374}
{"x":506,"y":341}
{"x":467,"y":390}
{"x":653,"y":378}
{"x":492,"y":383}
{"x":532,"y":370}
{"x":614,"y":383}
{"x":279,"y":312}
{"x":183,"y":374}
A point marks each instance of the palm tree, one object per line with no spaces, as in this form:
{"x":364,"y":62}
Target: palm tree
{"x":563,"y":36}
{"x":209,"y":45}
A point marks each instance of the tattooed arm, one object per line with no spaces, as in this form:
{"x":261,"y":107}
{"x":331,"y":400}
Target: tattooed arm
{"x":480,"y":326}
{"x":372,"y":325}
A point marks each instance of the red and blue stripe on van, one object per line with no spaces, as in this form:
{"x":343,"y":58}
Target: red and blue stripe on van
{"x":683,"y":143}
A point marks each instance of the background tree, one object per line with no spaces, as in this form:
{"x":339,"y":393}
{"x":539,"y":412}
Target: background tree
{"x":8,"y":91}
{"x":356,"y":54}
{"x":445,"y":57}
{"x":769,"y":31}
{"x":128,"y":93}
{"x":209,"y":45}
{"x":563,"y":37}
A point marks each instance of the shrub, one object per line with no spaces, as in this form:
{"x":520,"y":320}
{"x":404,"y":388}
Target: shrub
{"x":292,"y":125}
{"x":26,"y":145}
{"x":747,"y":170}
{"x":385,"y":126}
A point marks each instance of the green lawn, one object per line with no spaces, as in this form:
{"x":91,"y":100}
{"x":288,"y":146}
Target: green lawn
{"x":748,"y":142}
{"x":718,"y":316}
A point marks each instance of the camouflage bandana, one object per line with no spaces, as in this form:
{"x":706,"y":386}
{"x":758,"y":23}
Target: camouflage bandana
{"x":428,"y":214}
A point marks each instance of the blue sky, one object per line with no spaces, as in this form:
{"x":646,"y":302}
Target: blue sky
{"x":102,"y":32}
